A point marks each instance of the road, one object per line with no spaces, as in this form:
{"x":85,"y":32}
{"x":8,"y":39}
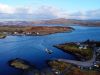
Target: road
{"x":80,"y":63}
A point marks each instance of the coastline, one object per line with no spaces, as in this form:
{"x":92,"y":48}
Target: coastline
{"x":33,"y":30}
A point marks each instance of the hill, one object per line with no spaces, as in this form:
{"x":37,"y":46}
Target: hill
{"x":53,"y":21}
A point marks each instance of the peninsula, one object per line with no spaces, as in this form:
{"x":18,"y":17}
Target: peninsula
{"x":33,"y":30}
{"x":83,"y":51}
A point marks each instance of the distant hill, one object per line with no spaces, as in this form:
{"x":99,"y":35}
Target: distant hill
{"x":24,"y":23}
{"x":70,"y":21}
{"x":56,"y":21}
{"x":53,"y":21}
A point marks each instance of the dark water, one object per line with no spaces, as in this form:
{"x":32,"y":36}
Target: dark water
{"x":32,"y":48}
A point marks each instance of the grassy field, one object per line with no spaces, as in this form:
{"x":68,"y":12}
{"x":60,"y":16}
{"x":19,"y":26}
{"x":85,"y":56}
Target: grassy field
{"x":12,"y":28}
{"x":74,"y":49}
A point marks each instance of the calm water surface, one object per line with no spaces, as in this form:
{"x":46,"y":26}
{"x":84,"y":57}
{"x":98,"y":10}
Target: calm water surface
{"x":32,"y":48}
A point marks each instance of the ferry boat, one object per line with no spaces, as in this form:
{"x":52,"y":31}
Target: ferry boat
{"x":48,"y":51}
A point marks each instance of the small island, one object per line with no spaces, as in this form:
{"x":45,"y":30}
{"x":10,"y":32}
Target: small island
{"x":20,"y":64}
{"x":33,"y":30}
{"x":27,"y":68}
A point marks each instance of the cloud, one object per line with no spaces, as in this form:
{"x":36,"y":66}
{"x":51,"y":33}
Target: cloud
{"x":92,"y":14}
{"x":49,"y":12}
{"x":6,"y":9}
{"x":78,"y":15}
{"x":44,"y":12}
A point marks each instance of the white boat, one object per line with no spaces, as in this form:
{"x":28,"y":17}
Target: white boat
{"x":48,"y":51}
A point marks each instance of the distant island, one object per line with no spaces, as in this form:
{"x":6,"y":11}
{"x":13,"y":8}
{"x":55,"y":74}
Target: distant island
{"x":32,"y":30}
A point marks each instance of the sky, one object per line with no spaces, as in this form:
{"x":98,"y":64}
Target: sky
{"x":49,"y":9}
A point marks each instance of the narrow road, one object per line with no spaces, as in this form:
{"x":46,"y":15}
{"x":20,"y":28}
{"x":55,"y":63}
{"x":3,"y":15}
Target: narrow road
{"x":80,"y":63}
